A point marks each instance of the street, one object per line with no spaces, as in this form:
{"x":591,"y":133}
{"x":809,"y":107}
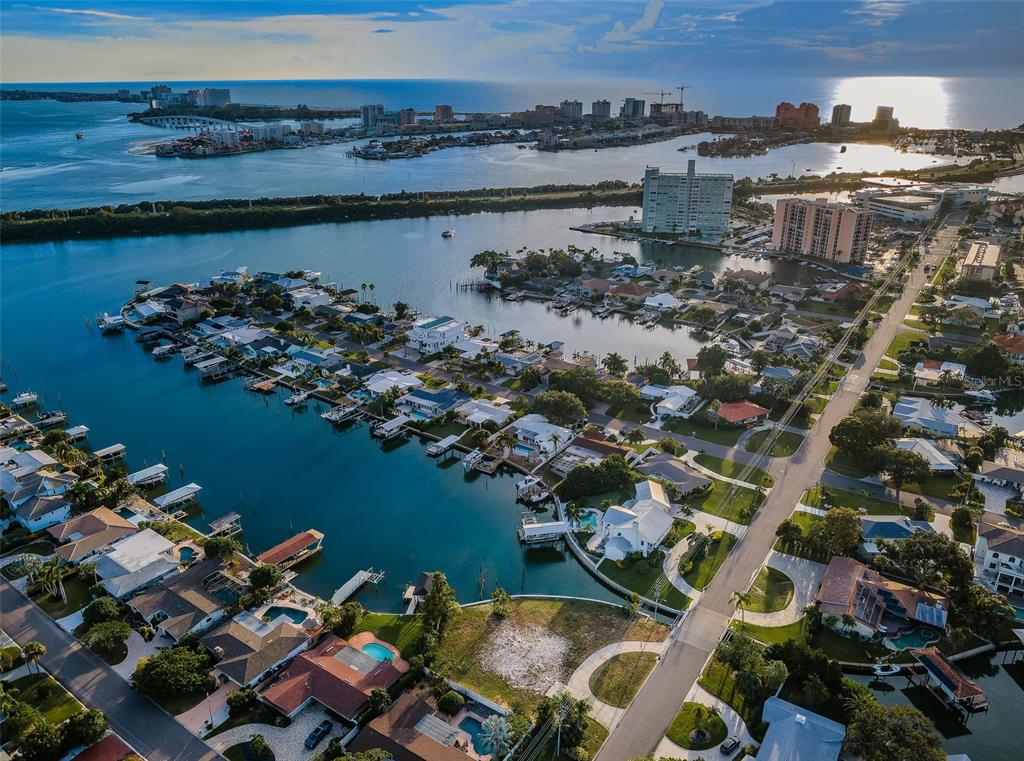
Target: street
{"x":649,"y":715}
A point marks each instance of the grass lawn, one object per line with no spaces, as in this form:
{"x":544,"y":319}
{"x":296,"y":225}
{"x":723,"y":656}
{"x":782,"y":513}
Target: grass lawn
{"x":732,"y":469}
{"x":901,"y":341}
{"x":888,"y":364}
{"x":845,"y":464}
{"x":640,"y":577}
{"x":800,"y":548}
{"x":771,"y":635}
{"x":638,"y":412}
{"x":787,"y":443}
{"x":592,"y":741}
{"x":684,"y":725}
{"x":172,"y":530}
{"x":697,"y":429}
{"x":820,"y":307}
{"x":616,"y":682}
{"x":38,"y":547}
{"x":716,"y":502}
{"x":586,"y":627}
{"x":178,"y":704}
{"x":432,"y":381}
{"x":44,"y":693}
{"x":844,"y":498}
{"x":78,"y":596}
{"x":401,"y":631}
{"x":261,"y":713}
{"x":771,"y":591}
{"x":845,"y":648}
{"x":720,"y":681}
{"x":681,"y":528}
{"x":704,"y":571}
{"x":439,"y":428}
{"x":939,"y":487}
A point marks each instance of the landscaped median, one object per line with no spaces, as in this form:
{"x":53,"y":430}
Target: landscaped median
{"x":771,"y":592}
{"x":639,"y":576}
{"x":618,"y":679}
{"x":697,"y":727}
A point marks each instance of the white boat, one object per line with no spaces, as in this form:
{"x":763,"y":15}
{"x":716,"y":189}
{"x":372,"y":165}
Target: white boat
{"x":982,"y":396}
{"x":25,"y":399}
{"x":340,"y":414}
{"x":165,"y":350}
{"x":51,"y":419}
{"x":532,"y":490}
{"x":448,"y":233}
{"x":297,"y":399}
{"x":110,"y":323}
{"x":886,"y":669}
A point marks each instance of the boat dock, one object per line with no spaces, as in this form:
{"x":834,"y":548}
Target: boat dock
{"x":179,"y":496}
{"x":293,"y":551}
{"x":342,"y":413}
{"x":194,"y":354}
{"x":78,"y":432}
{"x":438,"y":448}
{"x":215,"y":368}
{"x":389,"y":429}
{"x":51,"y":419}
{"x":532,"y":531}
{"x":226,"y":525}
{"x":354,"y":584}
{"x":154,"y":474}
{"x":110,"y":323}
{"x":260,"y":385}
{"x":111,"y":453}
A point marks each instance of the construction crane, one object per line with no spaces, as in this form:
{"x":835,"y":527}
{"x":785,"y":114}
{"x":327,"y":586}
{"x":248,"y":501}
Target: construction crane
{"x":661,"y":93}
{"x":682,"y":89}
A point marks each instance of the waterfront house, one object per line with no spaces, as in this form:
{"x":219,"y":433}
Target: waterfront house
{"x":796,"y":734}
{"x":1013,"y":346}
{"x":478,"y":412}
{"x":747,"y":279}
{"x":662,"y":302}
{"x":432,"y":403}
{"x":269,"y":346}
{"x":39,"y":512}
{"x":890,"y":527}
{"x":632,"y":270}
{"x":999,"y":556}
{"x":589,"y":448}
{"x":89,"y":534}
{"x":741,"y":414}
{"x":915,"y":412}
{"x":705,"y":279}
{"x":673,"y":470}
{"x":19,"y":470}
{"x":136,"y":562}
{"x":149,"y":311}
{"x":535,"y":432}
{"x":680,"y":401}
{"x":472,"y":348}
{"x":215,"y":326}
{"x":188,"y":602}
{"x":294,"y":550}
{"x":594,"y":286}
{"x":291,"y":283}
{"x":430,"y":335}
{"x":629,"y":291}
{"x":877,"y":605}
{"x":1006,"y":468}
{"x":360,"y":318}
{"x":237,"y":276}
{"x":184,"y":310}
{"x":383,"y":381}
{"x":519,"y":361}
{"x":934,"y":372}
{"x":310,"y":298}
{"x":246,"y":649}
{"x":337,"y":674}
{"x":14,"y":425}
{"x":640,"y":525}
{"x":835,"y":292}
{"x":939,"y":458}
{"x":791,"y":293}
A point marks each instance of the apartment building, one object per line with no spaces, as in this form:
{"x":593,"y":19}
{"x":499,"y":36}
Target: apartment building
{"x":837,"y":232}
{"x":688,"y":203}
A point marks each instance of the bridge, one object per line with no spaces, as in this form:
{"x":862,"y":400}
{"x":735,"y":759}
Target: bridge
{"x":189,"y":122}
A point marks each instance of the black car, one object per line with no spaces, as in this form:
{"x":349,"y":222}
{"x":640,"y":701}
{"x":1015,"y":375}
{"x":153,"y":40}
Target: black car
{"x":730,"y":745}
{"x":322,"y":730}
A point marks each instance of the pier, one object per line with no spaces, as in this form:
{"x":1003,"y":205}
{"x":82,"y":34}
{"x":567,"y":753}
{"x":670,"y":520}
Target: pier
{"x":532,"y":531}
{"x":154,"y":474}
{"x":226,"y":525}
{"x":179,"y":496}
{"x":78,"y":432}
{"x":111,"y":453}
{"x":215,"y":368}
{"x":354,"y":584}
{"x":389,"y":429}
{"x":438,"y":448}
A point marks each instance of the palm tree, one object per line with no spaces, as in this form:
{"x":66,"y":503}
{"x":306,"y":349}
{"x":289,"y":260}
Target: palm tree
{"x":33,"y":651}
{"x":496,"y":734}
{"x":713,"y":407}
{"x":372,"y":287}
{"x":573,"y":511}
{"x":616,"y":364}
{"x":51,"y":576}
{"x":668,"y":363}
{"x":88,"y":569}
{"x":739,"y":601}
{"x":362,"y":287}
{"x":506,"y":441}
{"x":634,"y":435}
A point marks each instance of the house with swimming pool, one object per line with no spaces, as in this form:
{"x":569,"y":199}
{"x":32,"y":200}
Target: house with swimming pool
{"x":246,"y":649}
{"x":188,"y":602}
{"x":431,"y":403}
{"x":478,"y":412}
{"x":385,"y":380}
{"x":639,"y":525}
{"x":338,"y":674}
{"x":537,"y":436}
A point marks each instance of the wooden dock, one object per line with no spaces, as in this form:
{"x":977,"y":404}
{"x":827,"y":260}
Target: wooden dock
{"x":353,"y":585}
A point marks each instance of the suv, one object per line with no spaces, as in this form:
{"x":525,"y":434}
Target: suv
{"x":322,"y":730}
{"x":730,"y":745}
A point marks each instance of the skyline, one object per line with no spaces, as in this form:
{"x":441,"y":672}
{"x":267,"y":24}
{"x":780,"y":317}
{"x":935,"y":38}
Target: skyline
{"x":511,"y":40}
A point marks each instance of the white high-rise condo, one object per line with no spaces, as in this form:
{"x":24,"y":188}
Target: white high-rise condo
{"x":690,"y":203}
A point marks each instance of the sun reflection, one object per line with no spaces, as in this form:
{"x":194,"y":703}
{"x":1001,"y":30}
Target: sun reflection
{"x":918,"y":101}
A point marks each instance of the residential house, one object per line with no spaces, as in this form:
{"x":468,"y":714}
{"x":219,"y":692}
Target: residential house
{"x":803,"y":347}
{"x":787,"y":374}
{"x":680,"y":401}
{"x":291,"y":283}
{"x":89,"y":534}
{"x":237,"y":276}
{"x":536,"y":432}
{"x":796,"y":734}
{"x":42,"y":511}
{"x":430,"y":335}
{"x":1006,"y":468}
{"x":184,"y":310}
{"x":999,"y":557}
{"x":362,"y":318}
{"x":336,"y":674}
{"x":915,"y":412}
{"x":662,"y":302}
{"x":594,"y":286}
{"x":589,"y":448}
{"x":150,"y":310}
{"x":934,"y":372}
{"x":432,"y":403}
{"x":136,"y":562}
{"x":309,"y":298}
{"x":246,"y":649}
{"x":633,"y":270}
{"x":19,"y":470}
{"x":741,"y":414}
{"x":790,"y":293}
{"x":630,"y":291}
{"x":383,"y":381}
{"x":675,"y":471}
{"x":835,"y":292}
{"x":749,"y":279}
{"x":478,"y":412}
{"x":938,"y":456}
{"x":640,"y":525}
{"x":876,"y":604}
{"x":518,"y":361}
{"x":188,"y":602}
{"x":890,"y":527}
{"x":471,"y":348}
{"x":978,"y":308}
{"x":1013,"y":346}
{"x":14,"y":425}
{"x":705,"y":279}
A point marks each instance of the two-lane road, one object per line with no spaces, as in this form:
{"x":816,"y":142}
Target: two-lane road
{"x":141,"y":723}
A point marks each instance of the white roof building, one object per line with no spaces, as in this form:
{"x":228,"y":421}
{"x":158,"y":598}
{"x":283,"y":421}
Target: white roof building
{"x":916,"y":412}
{"x":433,"y":334}
{"x":473,"y":347}
{"x":662,"y":301}
{"x":383,"y":381}
{"x":535,"y":429}
{"x":476,"y":412}
{"x":929,"y":450}
{"x":638,"y":526}
{"x":135,"y":561}
{"x":933,"y":370}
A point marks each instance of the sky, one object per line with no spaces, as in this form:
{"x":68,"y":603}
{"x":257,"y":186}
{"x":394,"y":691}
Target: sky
{"x":502,"y":40}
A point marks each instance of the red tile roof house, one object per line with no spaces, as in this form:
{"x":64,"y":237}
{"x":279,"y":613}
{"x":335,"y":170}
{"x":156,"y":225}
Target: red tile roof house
{"x":90,"y":533}
{"x":1013,"y":346}
{"x":741,"y":413}
{"x":337,"y":674}
{"x":630,"y":291}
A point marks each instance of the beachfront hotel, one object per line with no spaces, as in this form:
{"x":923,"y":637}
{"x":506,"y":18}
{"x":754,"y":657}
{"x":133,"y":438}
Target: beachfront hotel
{"x":837,"y":232}
{"x":690,"y":203}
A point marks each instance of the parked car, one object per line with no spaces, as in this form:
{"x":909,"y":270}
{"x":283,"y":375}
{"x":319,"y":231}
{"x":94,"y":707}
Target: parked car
{"x":729,"y":746}
{"x":322,"y":730}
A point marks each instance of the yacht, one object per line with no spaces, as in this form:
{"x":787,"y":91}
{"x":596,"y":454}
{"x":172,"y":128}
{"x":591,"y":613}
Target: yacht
{"x":25,"y":399}
{"x":982,"y":396}
{"x":449,"y":233}
{"x":297,"y":399}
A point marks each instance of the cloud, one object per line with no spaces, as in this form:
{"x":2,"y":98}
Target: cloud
{"x":94,"y":13}
{"x":647,"y":21}
{"x":877,"y":12}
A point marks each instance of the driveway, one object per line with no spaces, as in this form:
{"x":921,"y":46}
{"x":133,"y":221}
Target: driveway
{"x":806,"y":576}
{"x":151,"y":732}
{"x":286,"y":742}
{"x":210,"y":713}
{"x":137,"y":648}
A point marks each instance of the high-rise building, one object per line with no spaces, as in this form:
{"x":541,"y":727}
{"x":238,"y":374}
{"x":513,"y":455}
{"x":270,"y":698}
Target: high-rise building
{"x":572,"y":110}
{"x":407,"y":117}
{"x":443,"y":114}
{"x":837,"y":232}
{"x":884,"y":121}
{"x":841,"y":114}
{"x":804,"y":116}
{"x":371,"y":115}
{"x":633,"y":108}
{"x":601,"y":109}
{"x":687,"y":203}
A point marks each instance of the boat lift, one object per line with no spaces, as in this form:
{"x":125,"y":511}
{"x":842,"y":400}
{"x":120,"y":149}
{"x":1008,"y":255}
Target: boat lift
{"x":389,"y":429}
{"x":111,"y":453}
{"x":154,"y":474}
{"x":353,"y":585}
{"x":438,"y":448}
{"x":179,"y":496}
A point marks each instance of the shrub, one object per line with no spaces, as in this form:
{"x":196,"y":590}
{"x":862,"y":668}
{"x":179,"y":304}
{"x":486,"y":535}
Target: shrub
{"x":101,"y":610}
{"x":451,"y":702}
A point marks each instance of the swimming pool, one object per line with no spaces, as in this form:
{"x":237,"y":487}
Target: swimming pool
{"x":589,"y":521}
{"x":524,"y":450}
{"x":475,"y":729}
{"x":297,"y":616}
{"x":187,"y":555}
{"x":378,"y":651}
{"x":922,"y":636}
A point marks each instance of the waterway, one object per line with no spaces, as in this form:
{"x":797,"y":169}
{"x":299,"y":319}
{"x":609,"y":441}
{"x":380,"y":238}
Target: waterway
{"x":286,"y":471}
{"x":44,"y":166}
{"x":996,"y":735}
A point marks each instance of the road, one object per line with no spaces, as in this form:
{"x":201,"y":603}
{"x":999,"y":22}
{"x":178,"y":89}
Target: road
{"x":144,"y":726}
{"x":649,"y":715}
